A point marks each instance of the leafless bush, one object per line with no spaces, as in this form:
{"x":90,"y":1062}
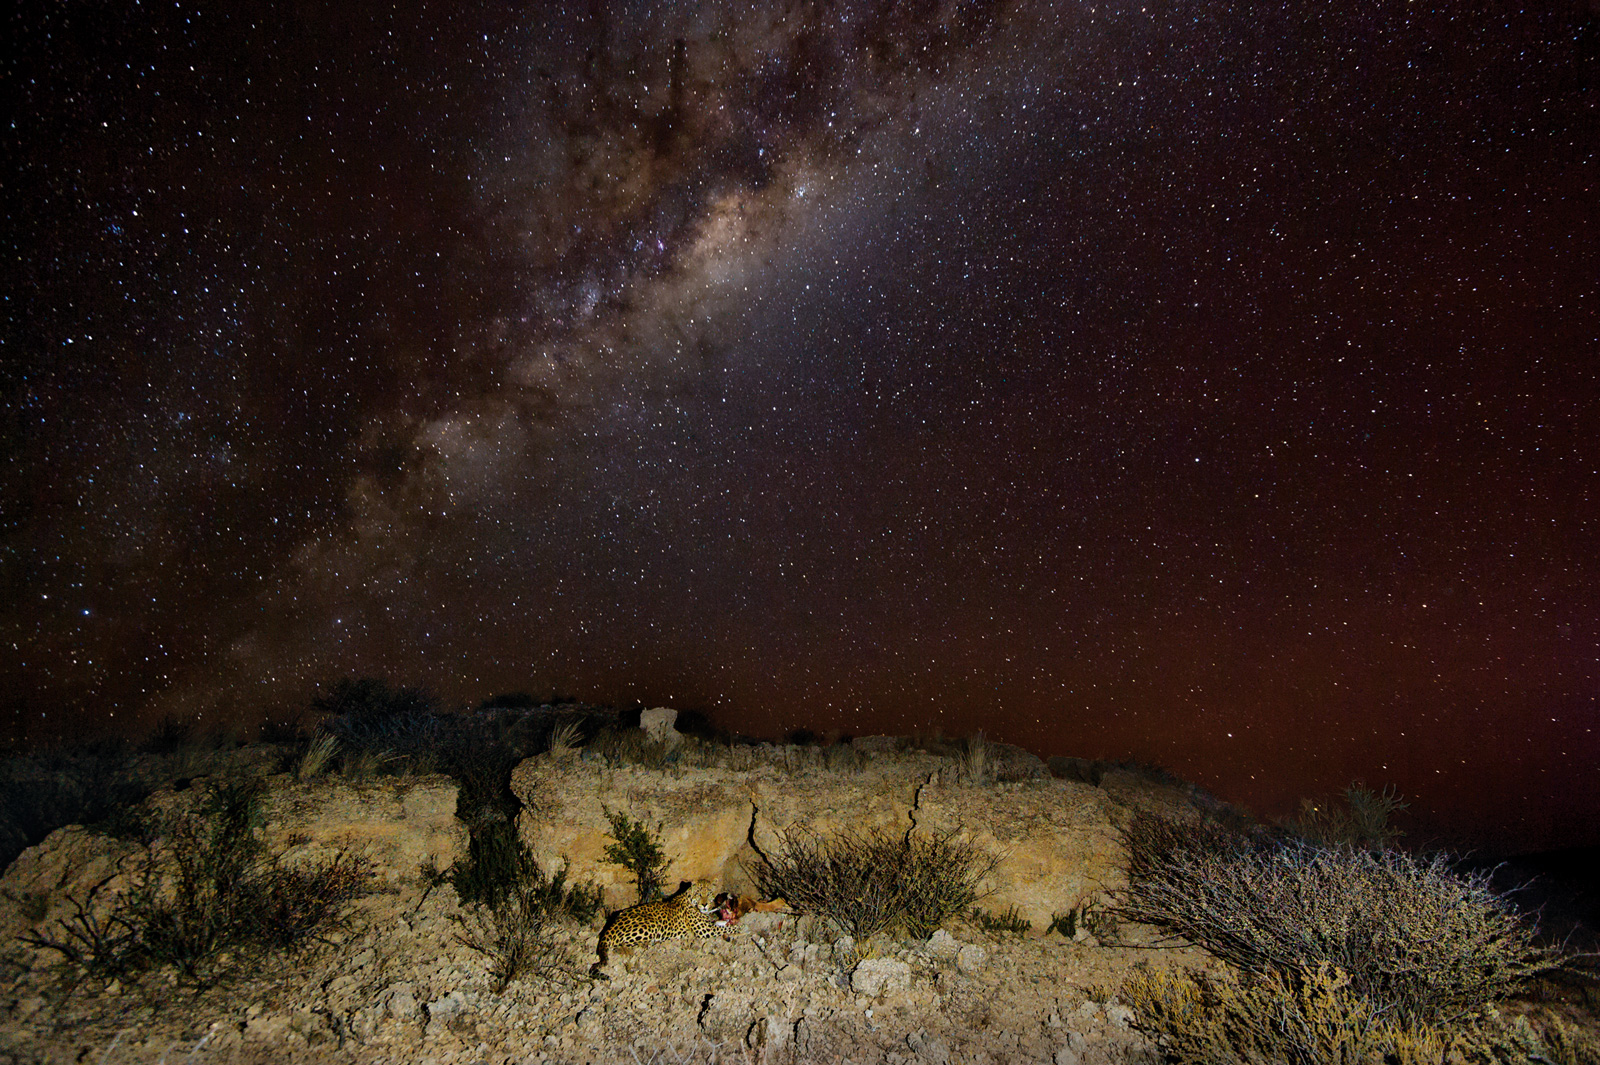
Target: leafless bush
{"x":876,"y":881}
{"x":1418,"y":941}
{"x":200,"y":885}
{"x":511,"y":935}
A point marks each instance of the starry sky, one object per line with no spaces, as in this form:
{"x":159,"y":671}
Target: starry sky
{"x":1208,"y":384}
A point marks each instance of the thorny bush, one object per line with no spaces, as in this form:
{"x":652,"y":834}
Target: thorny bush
{"x":1418,"y":941}
{"x":876,"y":881}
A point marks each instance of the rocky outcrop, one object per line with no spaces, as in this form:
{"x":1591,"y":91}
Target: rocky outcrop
{"x":399,"y":983}
{"x":396,"y":824}
{"x":1055,"y":839}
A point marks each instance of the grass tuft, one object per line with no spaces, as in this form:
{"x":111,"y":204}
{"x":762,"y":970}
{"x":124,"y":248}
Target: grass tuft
{"x":317,"y":757}
{"x":1009,"y":923}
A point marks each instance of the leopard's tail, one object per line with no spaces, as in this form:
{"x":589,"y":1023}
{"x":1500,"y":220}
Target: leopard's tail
{"x":595,"y":970}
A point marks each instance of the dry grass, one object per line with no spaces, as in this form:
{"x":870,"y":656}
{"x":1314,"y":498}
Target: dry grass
{"x":318,"y":756}
{"x":1318,"y":1018}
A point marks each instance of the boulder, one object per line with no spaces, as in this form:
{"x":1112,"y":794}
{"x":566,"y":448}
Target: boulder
{"x":659,"y":724}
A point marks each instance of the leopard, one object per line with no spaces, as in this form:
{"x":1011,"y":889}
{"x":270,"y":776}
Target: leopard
{"x":682,"y":915}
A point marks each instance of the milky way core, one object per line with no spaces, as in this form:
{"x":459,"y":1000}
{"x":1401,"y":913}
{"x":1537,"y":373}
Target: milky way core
{"x":1213,"y":385}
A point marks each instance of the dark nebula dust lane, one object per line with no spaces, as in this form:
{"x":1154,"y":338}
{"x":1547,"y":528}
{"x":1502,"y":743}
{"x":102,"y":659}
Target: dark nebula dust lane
{"x":1209,"y":385}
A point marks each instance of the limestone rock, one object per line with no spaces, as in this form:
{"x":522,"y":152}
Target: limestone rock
{"x":928,"y":1048}
{"x":399,"y":824}
{"x":971,"y":958}
{"x":881,"y":976}
{"x":658,"y":724}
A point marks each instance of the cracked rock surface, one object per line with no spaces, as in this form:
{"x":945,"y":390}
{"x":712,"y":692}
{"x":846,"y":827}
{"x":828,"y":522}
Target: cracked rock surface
{"x":399,"y":986}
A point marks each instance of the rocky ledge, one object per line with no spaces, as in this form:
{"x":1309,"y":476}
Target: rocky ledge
{"x":398,"y":984}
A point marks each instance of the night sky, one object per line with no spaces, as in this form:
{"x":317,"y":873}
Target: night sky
{"x":1212,"y":384}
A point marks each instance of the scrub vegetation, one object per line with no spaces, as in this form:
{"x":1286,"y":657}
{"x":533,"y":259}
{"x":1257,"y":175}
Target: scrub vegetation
{"x":1339,"y":948}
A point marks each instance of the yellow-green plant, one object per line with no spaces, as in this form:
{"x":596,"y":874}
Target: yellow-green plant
{"x":317,"y":757}
{"x":1317,"y":1017}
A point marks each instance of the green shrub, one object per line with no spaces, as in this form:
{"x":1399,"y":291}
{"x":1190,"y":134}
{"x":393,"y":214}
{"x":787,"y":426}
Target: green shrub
{"x":499,"y":868}
{"x":1417,"y":941}
{"x":496,"y":866}
{"x":637,"y":850}
{"x":200,"y":885}
{"x":876,"y":881}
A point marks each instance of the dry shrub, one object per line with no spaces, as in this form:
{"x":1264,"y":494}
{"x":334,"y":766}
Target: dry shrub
{"x":875,"y":881}
{"x":632,"y":746}
{"x":1316,"y":1018}
{"x":1418,"y":941}
{"x":201,"y":884}
{"x":510,"y":935}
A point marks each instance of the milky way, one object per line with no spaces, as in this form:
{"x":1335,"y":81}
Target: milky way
{"x":1213,"y":385}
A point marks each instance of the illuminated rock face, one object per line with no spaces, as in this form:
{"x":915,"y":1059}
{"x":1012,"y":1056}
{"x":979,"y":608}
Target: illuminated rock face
{"x":659,"y":723}
{"x":1055,"y":839}
{"x":397,"y":825}
{"x":403,"y":977}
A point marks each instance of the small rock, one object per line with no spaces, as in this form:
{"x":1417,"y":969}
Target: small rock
{"x":1119,"y":1015}
{"x":877,"y":976}
{"x":928,"y":1048}
{"x":266,"y":1028}
{"x":942,"y":944}
{"x":402,"y":1002}
{"x":1071,"y":1053}
{"x":341,"y":984}
{"x":971,"y":958}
